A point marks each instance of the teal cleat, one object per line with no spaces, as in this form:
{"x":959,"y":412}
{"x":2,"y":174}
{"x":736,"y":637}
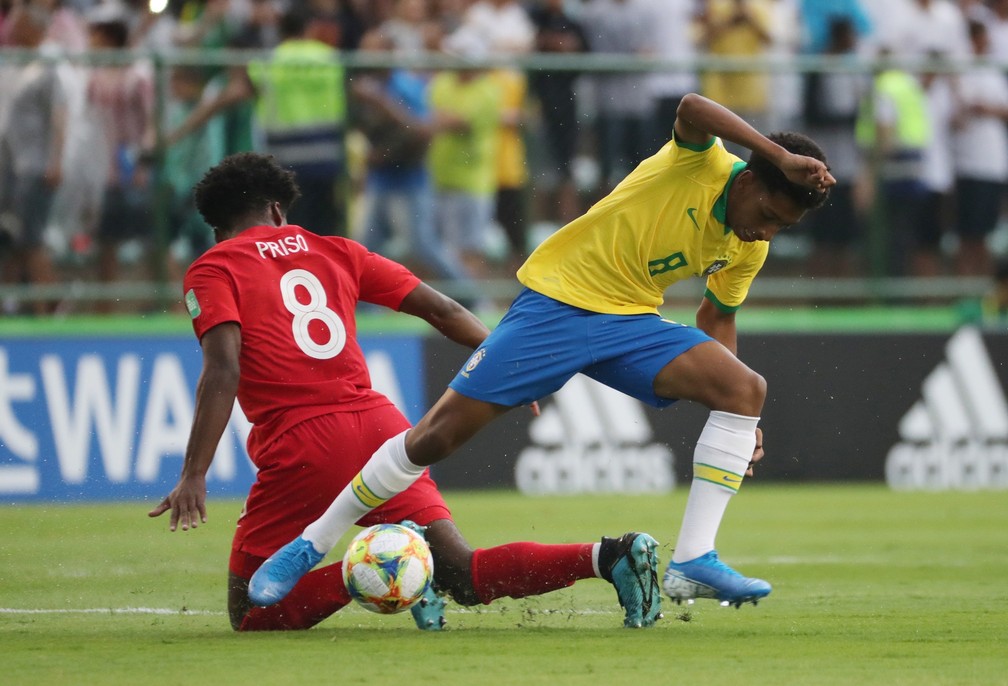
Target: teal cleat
{"x":630,"y":563}
{"x":280,"y":573}
{"x":409,"y":524}
{"x":428,"y":612}
{"x":708,"y":577}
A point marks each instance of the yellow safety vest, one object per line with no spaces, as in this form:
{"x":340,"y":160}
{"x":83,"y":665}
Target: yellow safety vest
{"x":302,"y":105}
{"x":913,"y":125}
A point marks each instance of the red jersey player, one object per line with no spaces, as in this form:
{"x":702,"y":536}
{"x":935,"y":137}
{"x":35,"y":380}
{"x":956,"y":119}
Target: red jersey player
{"x":273,"y":307}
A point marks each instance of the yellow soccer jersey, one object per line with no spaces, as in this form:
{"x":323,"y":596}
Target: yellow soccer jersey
{"x":663,"y":223}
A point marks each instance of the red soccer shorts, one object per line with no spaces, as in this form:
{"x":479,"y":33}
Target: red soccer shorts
{"x":306,"y":467}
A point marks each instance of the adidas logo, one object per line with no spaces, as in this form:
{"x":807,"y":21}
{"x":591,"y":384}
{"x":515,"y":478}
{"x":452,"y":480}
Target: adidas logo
{"x":593,"y":439}
{"x":956,"y":436}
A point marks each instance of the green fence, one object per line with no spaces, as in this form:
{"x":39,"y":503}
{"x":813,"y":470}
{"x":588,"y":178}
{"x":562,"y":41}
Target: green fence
{"x":150,"y":286}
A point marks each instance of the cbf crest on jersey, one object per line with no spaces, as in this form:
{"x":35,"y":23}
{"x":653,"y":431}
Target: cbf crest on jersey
{"x":474,"y":360}
{"x":716,"y":266}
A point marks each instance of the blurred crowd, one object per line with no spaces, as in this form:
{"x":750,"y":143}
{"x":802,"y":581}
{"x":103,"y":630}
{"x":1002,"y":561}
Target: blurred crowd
{"x":459,"y":170}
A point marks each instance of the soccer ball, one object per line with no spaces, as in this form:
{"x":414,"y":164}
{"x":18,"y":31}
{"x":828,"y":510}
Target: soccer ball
{"x":387,"y":567}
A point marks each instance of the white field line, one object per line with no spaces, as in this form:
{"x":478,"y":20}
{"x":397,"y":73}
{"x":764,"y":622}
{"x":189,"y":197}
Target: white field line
{"x":771,"y":560}
{"x":214,"y":613}
{"x":741,"y":561}
{"x":105,"y":611}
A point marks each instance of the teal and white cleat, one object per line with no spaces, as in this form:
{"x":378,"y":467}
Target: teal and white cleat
{"x":707,"y":577}
{"x":281,"y":571}
{"x":630,"y":563}
{"x":428,"y":612}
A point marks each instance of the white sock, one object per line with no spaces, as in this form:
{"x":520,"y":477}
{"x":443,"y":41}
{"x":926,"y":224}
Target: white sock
{"x":595,"y":567}
{"x":720,"y":460}
{"x":388,"y":472}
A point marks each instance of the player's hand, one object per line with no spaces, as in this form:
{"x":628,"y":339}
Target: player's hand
{"x":757,"y":453}
{"x":187,"y":503}
{"x":807,"y":171}
{"x":534,"y":406}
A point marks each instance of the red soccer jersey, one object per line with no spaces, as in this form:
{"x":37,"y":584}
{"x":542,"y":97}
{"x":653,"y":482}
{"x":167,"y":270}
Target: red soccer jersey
{"x":294,"y":294}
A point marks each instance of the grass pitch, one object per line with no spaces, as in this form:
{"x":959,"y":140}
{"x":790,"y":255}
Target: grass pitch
{"x":870,"y":587}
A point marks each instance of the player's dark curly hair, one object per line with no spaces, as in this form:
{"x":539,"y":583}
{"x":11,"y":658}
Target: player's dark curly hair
{"x":241,"y":185}
{"x":775,"y":181}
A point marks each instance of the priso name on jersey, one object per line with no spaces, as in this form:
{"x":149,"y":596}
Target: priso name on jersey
{"x":288,"y":245}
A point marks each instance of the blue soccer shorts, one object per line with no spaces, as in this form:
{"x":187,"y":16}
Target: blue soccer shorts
{"x":541,"y":343}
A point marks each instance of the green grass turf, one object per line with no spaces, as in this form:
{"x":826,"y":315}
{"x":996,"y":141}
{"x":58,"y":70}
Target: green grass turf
{"x":870,"y":587}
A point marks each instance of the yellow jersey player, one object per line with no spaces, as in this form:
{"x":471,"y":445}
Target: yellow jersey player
{"x":590,"y":305}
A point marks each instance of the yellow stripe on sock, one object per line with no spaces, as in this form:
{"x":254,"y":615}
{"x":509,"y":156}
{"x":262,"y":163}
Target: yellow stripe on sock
{"x":718,"y":476}
{"x":364,"y":494}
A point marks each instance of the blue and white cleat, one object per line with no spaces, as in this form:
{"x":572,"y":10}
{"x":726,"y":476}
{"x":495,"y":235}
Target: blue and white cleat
{"x":708,"y":577}
{"x":281,"y":571}
{"x":630,"y":563}
{"x":428,"y":612}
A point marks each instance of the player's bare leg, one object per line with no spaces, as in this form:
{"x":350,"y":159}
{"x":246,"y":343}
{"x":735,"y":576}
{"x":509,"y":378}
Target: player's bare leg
{"x":452,"y":421}
{"x":712,"y":375}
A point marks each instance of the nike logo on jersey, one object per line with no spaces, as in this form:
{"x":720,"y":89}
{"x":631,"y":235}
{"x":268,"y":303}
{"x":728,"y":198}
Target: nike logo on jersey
{"x":690,"y":212}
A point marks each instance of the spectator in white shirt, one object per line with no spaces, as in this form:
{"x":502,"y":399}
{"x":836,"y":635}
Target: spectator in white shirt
{"x":916,"y":28}
{"x":937,"y":173}
{"x":981,"y":156}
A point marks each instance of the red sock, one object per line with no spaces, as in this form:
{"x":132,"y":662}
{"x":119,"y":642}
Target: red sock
{"x":319,"y":594}
{"x":523,"y":569}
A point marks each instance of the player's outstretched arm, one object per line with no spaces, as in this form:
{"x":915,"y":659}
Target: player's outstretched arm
{"x":215,"y":397}
{"x":699,"y":118}
{"x":444,"y":314}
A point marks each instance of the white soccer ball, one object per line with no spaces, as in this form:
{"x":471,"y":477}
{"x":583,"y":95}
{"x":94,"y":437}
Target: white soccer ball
{"x":387,"y":568}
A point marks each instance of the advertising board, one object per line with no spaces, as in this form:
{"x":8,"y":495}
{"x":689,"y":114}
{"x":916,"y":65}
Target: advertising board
{"x":96,"y":418}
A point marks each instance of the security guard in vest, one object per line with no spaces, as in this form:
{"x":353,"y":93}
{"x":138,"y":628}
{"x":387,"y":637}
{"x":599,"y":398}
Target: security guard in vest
{"x":301,"y":112}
